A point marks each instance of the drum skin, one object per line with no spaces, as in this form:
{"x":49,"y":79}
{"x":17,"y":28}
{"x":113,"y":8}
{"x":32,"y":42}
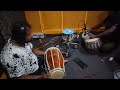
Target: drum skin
{"x":57,"y":58}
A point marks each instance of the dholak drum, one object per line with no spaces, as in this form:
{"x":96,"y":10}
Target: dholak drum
{"x":93,"y":44}
{"x":54,"y":63}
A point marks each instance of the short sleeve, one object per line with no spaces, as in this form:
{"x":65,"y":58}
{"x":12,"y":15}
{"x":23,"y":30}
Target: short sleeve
{"x":29,"y":46}
{"x":106,"y":19}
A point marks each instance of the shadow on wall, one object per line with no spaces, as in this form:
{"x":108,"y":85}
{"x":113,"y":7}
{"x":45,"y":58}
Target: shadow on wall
{"x":7,"y":18}
{"x":101,"y":15}
{"x":113,"y":12}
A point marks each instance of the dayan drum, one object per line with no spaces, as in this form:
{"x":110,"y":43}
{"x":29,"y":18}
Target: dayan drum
{"x":54,"y":63}
{"x":93,"y":44}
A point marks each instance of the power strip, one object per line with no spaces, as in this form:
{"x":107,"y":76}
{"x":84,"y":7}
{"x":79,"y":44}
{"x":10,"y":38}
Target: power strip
{"x":38,"y":35}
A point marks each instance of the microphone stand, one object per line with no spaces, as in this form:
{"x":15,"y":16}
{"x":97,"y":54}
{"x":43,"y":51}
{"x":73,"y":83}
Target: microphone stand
{"x":67,"y":43}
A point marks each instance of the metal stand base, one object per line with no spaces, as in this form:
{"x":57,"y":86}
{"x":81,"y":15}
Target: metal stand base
{"x":74,"y":45}
{"x":66,"y":54}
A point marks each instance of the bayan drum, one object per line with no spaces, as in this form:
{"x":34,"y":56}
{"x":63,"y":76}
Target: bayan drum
{"x":93,"y":44}
{"x":54,"y":63}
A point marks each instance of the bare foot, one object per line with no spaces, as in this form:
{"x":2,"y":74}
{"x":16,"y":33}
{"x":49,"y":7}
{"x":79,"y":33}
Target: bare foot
{"x":65,"y":61}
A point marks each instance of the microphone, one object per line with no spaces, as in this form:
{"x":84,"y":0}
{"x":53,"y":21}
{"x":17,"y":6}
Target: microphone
{"x":85,"y":29}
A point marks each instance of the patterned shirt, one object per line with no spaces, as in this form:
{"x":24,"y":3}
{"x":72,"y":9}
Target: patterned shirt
{"x":19,"y":60}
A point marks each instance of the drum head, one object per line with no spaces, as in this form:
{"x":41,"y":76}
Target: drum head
{"x":85,"y":36}
{"x":57,"y":74}
{"x":92,"y":40}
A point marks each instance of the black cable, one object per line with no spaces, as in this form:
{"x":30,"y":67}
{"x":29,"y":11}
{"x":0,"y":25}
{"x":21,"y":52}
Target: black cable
{"x":85,"y":28}
{"x":79,"y":24}
{"x":78,"y":28}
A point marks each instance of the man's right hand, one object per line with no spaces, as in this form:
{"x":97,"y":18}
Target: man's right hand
{"x":44,"y":76}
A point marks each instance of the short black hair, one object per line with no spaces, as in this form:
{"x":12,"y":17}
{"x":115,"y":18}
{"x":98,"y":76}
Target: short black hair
{"x":19,"y":32}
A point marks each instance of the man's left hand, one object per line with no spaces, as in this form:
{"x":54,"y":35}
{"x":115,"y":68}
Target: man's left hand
{"x":37,"y":51}
{"x":93,"y":36}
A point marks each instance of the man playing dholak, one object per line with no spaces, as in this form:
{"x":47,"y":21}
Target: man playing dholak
{"x":18,"y":55}
{"x":110,"y":36}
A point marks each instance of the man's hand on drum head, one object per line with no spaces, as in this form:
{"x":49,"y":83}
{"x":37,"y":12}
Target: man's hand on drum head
{"x":92,"y":36}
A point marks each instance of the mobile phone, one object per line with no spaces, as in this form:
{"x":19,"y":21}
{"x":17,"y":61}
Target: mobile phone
{"x":80,"y":63}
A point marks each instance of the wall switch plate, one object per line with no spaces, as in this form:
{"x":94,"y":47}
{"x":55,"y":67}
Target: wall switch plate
{"x":39,"y":35}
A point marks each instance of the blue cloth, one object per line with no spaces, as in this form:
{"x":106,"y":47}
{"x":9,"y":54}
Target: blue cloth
{"x":67,"y":31}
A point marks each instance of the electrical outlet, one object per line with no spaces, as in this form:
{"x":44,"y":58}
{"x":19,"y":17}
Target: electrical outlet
{"x":38,"y":35}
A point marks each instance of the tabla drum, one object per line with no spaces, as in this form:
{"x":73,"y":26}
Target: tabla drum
{"x":93,"y":44}
{"x":85,"y":36}
{"x":54,"y":63}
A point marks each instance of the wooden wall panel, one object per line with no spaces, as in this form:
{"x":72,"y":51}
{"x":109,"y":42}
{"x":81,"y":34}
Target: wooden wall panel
{"x":33,"y":18}
{"x":95,"y":17}
{"x":72,"y":18}
{"x":51,"y":19}
{"x":52,"y":22}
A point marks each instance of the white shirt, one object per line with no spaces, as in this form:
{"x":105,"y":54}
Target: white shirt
{"x":19,"y":60}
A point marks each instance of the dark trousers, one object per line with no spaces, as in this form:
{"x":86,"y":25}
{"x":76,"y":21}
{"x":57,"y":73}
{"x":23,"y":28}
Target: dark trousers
{"x":41,"y":68}
{"x":109,"y":43}
{"x":1,"y":69}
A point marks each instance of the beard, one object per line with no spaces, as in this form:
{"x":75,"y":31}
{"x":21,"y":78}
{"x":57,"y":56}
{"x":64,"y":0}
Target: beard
{"x":27,"y":41}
